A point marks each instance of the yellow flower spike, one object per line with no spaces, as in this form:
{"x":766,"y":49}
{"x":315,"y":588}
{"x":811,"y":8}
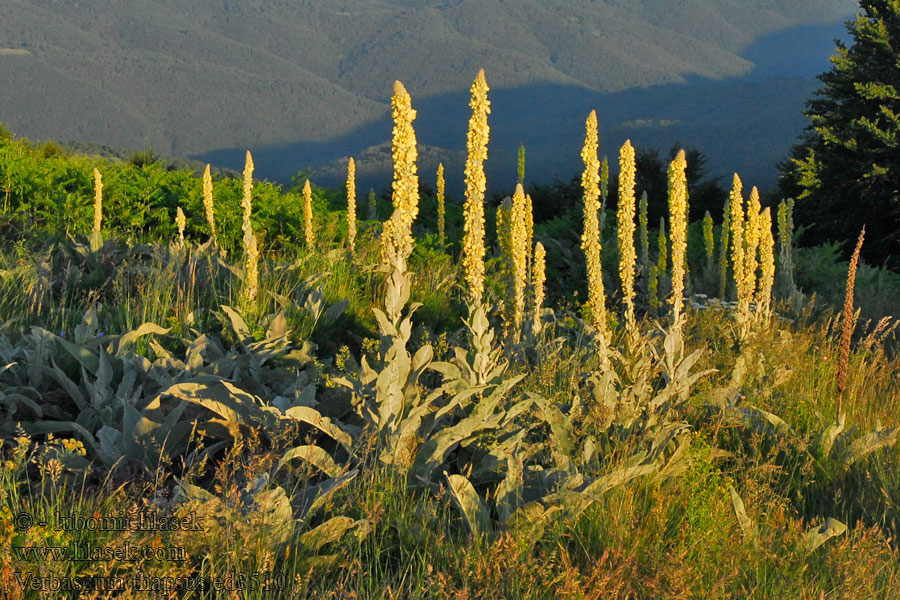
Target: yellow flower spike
{"x":351,"y":204}
{"x":539,"y":277}
{"x":723,"y":249}
{"x":476,"y":145}
{"x":736,"y":215}
{"x":590,"y":239}
{"x":529,"y":226}
{"x":678,"y":226}
{"x":310,"y":234}
{"x":251,"y":253}
{"x":519,"y":235}
{"x":405,"y":184}
{"x":708,"y":240}
{"x":751,"y":241}
{"x":767,"y":264}
{"x":440,"y":203}
{"x":98,"y":201}
{"x":208,"y":204}
{"x":643,"y":235}
{"x":625,"y":234}
{"x":180,"y":222}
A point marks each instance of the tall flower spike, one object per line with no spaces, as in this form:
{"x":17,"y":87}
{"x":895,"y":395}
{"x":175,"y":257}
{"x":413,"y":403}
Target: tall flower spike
{"x":98,"y":201}
{"x":208,"y":204}
{"x":752,"y":239}
{"x":708,"y":240}
{"x":736,"y":216}
{"x":522,"y":164}
{"x":180,"y":222}
{"x":476,"y":145}
{"x":625,"y":238}
{"x":310,"y":234}
{"x":678,"y":226}
{"x":529,"y":226}
{"x":351,"y":204}
{"x":405,"y":184}
{"x":643,"y":236}
{"x":520,"y":253}
{"x":440,"y":203}
{"x":251,"y":253}
{"x":604,"y":193}
{"x":373,"y":212}
{"x":767,"y":264}
{"x":539,"y":276}
{"x":723,"y":249}
{"x":590,"y":239}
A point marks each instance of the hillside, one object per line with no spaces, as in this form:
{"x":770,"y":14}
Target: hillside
{"x":310,"y":81}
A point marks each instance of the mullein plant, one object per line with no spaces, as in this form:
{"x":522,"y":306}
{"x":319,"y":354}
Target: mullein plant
{"x":476,"y":145}
{"x":724,"y":239}
{"x":625,"y":233}
{"x":538,"y":278}
{"x":604,"y":194}
{"x":529,"y":228}
{"x":519,"y":242}
{"x":521,"y":165}
{"x":180,"y":222}
{"x":644,"y":238}
{"x":440,"y":204}
{"x":678,"y":225}
{"x":96,"y":240}
{"x":309,"y":232}
{"x":751,"y":240}
{"x":208,"y":205}
{"x":351,"y":204}
{"x":662,"y":256}
{"x":251,"y":253}
{"x":708,"y":243}
{"x":785,"y":245}
{"x":767,"y":267}
{"x":373,"y":212}
{"x":848,"y":323}
{"x":590,"y":239}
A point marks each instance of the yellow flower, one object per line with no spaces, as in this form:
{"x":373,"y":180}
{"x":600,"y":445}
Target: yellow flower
{"x":440,"y":202}
{"x":208,"y":204}
{"x":310,"y":234}
{"x":539,"y":277}
{"x":476,"y":145}
{"x":405,"y":184}
{"x":98,"y":200}
{"x":351,"y":204}
{"x":737,"y":237}
{"x":708,"y":241}
{"x":625,"y":232}
{"x":180,"y":222}
{"x":678,"y":226}
{"x":251,"y":254}
{"x":590,"y":239}
{"x":519,"y":235}
{"x":767,"y":262}
{"x":751,"y":241}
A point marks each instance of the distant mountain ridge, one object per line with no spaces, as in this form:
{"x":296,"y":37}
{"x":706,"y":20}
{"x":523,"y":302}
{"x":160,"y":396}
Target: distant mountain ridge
{"x":308,"y":82}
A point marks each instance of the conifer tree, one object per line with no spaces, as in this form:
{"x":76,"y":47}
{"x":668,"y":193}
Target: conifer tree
{"x":845,"y":172}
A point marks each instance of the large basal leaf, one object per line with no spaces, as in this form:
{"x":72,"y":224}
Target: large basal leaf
{"x":881,"y":438}
{"x":330,"y":531}
{"x":473,"y":509}
{"x":817,"y":536}
{"x":314,"y":455}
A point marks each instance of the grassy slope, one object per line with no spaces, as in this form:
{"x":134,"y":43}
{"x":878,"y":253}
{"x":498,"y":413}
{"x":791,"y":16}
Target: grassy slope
{"x":677,"y":537}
